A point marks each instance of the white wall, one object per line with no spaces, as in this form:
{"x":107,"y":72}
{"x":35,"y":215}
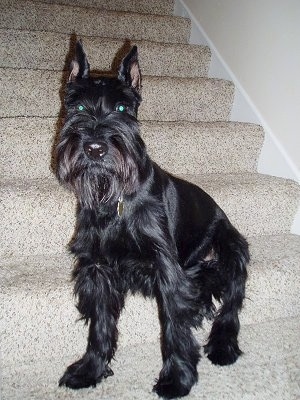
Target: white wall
{"x":259,"y":40}
{"x":258,"y":43}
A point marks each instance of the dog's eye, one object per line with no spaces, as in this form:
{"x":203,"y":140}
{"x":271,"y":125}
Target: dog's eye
{"x":121,"y":108}
{"x":80,"y":107}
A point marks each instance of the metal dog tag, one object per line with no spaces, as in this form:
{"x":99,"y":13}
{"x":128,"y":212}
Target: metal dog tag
{"x":120,"y":206}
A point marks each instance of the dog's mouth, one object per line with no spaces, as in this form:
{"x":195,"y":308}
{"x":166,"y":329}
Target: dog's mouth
{"x":211,"y":255}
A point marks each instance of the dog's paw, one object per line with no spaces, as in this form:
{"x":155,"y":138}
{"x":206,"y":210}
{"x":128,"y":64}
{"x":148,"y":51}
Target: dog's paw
{"x":170,"y":389}
{"x":222,"y":353}
{"x":175,"y":381}
{"x":83,"y":374}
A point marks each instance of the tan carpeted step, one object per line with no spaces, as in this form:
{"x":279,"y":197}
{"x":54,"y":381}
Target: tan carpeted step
{"x":36,"y":93}
{"x":27,"y":14}
{"x":48,"y":50}
{"x":27,"y":145}
{"x":37,"y":217}
{"x":36,"y":297}
{"x":256,"y":204}
{"x":203,"y":147}
{"x":270,"y":360}
{"x":142,"y":6}
{"x":39,"y":335}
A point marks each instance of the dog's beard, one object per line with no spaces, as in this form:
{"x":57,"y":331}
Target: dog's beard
{"x":96,"y":186}
{"x":101,"y":182}
{"x":92,"y":188}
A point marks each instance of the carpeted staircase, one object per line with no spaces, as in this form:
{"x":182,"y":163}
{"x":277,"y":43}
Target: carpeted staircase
{"x":185,"y":123}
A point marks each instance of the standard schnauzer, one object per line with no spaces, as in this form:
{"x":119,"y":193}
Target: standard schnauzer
{"x":141,"y":229}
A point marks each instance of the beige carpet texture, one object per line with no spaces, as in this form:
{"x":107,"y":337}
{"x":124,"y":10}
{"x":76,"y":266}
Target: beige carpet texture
{"x":185,"y":122}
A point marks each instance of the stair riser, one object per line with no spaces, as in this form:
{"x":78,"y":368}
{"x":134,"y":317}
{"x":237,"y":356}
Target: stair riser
{"x":25,"y":214}
{"x":40,"y":220}
{"x":256,"y":210}
{"x":32,"y":312}
{"x":142,"y":6}
{"x":28,"y":145}
{"x":36,"y":93}
{"x":29,"y":15}
{"x":41,"y":50}
{"x":183,"y":148}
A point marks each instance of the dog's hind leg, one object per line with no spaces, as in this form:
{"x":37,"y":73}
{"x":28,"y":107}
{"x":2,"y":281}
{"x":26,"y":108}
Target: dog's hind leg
{"x":180,"y":350}
{"x":232,"y":251}
{"x":100,"y":304}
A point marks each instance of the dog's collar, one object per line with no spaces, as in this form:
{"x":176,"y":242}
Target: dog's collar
{"x":120,"y":206}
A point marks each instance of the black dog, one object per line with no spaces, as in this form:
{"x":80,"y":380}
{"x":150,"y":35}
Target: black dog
{"x":140,"y":229}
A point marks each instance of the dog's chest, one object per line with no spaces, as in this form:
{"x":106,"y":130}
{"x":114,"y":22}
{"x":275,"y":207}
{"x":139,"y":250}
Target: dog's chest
{"x":120,"y":241}
{"x":131,"y":254}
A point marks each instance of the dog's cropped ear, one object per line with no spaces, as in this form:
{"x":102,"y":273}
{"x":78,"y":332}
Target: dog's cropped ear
{"x":80,"y":68}
{"x":129,"y":71}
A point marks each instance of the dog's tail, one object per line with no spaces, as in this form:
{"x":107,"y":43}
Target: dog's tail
{"x":232,"y":252}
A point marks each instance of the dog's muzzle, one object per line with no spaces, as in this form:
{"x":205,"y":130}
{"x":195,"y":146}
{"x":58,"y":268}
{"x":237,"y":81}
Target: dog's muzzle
{"x":95,"y":150}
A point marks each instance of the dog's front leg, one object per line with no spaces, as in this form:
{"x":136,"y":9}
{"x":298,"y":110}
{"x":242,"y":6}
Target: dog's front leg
{"x":100,"y":304}
{"x":180,"y":350}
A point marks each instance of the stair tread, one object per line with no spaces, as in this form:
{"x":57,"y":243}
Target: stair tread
{"x":145,"y":6}
{"x":27,"y":14}
{"x":38,"y":95}
{"x":213,"y":179}
{"x":35,"y":300}
{"x":261,"y":369}
{"x":212,"y":146}
{"x":203,"y":147}
{"x":20,"y":272}
{"x":274,"y":263}
{"x":38,"y":215}
{"x":251,"y":197}
{"x":48,"y":50}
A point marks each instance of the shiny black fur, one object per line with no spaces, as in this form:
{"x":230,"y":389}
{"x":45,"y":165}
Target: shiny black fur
{"x":140,"y":229}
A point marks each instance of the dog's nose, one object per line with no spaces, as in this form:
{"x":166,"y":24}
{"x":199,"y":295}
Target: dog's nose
{"x":95,"y":150}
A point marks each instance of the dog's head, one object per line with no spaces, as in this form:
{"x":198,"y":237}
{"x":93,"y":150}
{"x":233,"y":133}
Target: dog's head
{"x":100,"y":153}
